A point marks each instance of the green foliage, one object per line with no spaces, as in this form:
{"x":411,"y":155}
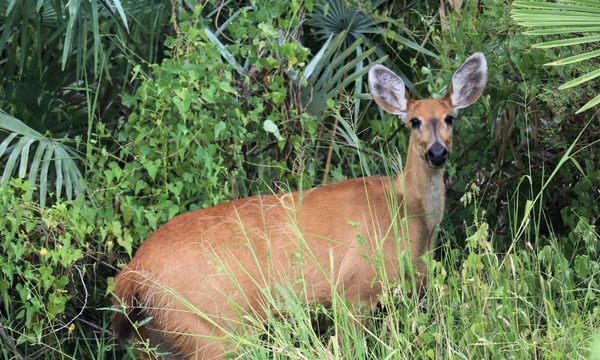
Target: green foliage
{"x":572,"y":17}
{"x":520,"y":128}
{"x":38,"y":255}
{"x":199,"y":128}
{"x":223,"y":116}
{"x":64,"y":65}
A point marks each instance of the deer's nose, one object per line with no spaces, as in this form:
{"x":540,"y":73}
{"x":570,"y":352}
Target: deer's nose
{"x":437,"y":154}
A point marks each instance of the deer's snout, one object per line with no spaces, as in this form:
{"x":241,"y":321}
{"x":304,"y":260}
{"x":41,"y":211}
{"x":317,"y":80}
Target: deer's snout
{"x":437,"y":154}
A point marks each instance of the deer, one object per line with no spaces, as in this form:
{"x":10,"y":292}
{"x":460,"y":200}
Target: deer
{"x":191,"y":279}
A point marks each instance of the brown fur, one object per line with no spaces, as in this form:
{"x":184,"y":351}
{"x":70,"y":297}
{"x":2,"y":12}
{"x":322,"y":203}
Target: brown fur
{"x":189,"y":274}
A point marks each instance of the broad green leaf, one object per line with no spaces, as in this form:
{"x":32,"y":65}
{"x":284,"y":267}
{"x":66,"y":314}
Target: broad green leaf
{"x":272,"y":128}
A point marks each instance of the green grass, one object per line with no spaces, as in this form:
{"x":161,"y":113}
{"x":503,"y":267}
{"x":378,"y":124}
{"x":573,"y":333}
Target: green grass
{"x":477,"y":304}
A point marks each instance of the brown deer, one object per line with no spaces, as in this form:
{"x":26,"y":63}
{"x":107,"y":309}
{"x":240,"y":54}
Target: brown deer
{"x":201,"y":271}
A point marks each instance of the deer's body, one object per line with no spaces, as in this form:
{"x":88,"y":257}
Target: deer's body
{"x":199,"y":273}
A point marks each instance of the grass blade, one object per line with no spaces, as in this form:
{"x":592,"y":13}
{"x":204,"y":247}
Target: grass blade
{"x":358,"y":83}
{"x":410,"y":44}
{"x":96,"y":31}
{"x":68,"y":183}
{"x":333,"y":47}
{"x":121,"y":12}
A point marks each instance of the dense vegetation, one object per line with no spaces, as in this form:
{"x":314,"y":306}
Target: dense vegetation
{"x":132,"y":112}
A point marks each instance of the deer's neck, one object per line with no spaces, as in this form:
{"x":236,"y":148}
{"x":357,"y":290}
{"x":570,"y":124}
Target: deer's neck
{"x":424,"y":191}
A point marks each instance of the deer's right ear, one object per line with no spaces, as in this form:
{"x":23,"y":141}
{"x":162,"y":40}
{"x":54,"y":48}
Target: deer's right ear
{"x":388,"y":90}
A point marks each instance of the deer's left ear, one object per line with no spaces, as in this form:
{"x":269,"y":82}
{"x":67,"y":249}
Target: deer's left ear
{"x":468,"y":81}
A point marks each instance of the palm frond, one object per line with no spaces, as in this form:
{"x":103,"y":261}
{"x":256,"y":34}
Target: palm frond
{"x":332,"y":70}
{"x":559,"y":18}
{"x":332,"y":17}
{"x":15,"y":149}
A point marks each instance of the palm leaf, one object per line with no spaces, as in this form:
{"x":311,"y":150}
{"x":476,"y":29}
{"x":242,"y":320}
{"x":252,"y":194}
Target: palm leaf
{"x":332,"y":72}
{"x":66,"y":174}
{"x":226,"y":54}
{"x":558,"y":18}
{"x":590,"y":104}
{"x":563,"y":30}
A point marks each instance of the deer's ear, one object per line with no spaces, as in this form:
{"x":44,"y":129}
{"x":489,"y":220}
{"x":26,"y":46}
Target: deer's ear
{"x":388,"y":90}
{"x":468,"y":81}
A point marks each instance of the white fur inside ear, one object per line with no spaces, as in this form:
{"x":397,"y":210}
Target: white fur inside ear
{"x":469,"y":81}
{"x":388,"y":90}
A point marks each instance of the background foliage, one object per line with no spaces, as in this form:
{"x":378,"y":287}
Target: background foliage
{"x":166,"y":107}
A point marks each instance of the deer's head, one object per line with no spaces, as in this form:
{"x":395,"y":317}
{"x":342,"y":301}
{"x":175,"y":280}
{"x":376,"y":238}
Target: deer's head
{"x":430,"y":120}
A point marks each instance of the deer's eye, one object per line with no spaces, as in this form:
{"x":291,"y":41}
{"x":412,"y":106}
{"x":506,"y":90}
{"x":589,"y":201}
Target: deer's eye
{"x":415,"y":123}
{"x":449,"y":119}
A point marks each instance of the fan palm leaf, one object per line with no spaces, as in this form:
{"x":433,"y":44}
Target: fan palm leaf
{"x":577,"y":20}
{"x":15,"y":149}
